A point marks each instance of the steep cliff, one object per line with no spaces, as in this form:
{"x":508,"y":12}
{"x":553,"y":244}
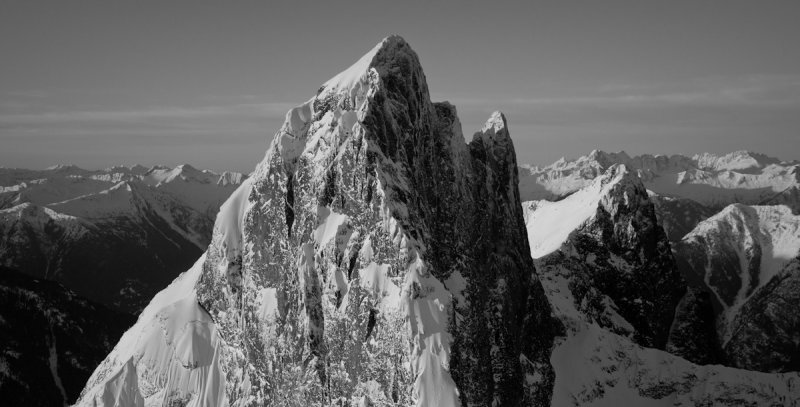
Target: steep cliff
{"x":373,"y":256}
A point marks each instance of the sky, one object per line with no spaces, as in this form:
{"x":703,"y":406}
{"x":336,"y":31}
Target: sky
{"x":100,"y":83}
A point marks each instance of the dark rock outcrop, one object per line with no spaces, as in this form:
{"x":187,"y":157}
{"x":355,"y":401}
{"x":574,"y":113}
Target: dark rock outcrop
{"x":620,"y":263}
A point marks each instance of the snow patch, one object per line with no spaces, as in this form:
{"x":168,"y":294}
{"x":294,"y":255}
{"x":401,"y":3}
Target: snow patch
{"x":427,"y":304}
{"x":329,"y":223}
{"x":268,"y":304}
{"x":173,"y":350}
{"x":230,"y":220}
{"x":374,"y":278}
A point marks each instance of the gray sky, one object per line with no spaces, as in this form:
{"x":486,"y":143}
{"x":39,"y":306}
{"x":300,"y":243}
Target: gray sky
{"x":97,"y":83}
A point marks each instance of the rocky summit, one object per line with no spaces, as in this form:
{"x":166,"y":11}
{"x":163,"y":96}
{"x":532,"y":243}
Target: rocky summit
{"x":372,"y":257}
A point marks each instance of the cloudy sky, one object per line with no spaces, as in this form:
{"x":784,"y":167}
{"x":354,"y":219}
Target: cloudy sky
{"x":97,"y":83}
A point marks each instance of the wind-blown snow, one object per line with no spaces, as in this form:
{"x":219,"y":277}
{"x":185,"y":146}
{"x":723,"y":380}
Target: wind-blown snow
{"x":329,"y":223}
{"x":174,"y":347}
{"x":374,"y":278}
{"x":428,"y":319}
{"x":121,"y":389}
{"x":230,"y":220}
{"x":351,"y":79}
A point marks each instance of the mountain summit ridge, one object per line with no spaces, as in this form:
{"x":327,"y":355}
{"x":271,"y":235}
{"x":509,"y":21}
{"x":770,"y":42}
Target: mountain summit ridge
{"x":353,"y":274}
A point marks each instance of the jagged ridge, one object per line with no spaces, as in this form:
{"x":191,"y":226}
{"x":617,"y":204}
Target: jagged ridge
{"x":343,"y":237}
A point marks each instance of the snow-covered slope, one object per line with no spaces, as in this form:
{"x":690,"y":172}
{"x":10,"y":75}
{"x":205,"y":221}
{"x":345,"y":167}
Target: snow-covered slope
{"x":343,"y":272}
{"x":747,"y":257}
{"x":596,"y":368}
{"x":117,"y":235}
{"x":550,"y":224}
{"x":711,"y":180}
{"x":606,"y":244}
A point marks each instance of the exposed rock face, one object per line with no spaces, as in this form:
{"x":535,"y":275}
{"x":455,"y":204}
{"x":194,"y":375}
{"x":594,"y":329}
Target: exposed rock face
{"x":746,"y":257}
{"x":620,"y":270}
{"x":116,"y":236}
{"x":693,"y":336}
{"x":767,"y":336}
{"x":51,"y":340}
{"x":373,"y":255}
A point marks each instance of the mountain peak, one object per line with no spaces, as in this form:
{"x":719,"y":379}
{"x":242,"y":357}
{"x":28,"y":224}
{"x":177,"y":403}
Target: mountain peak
{"x":496,"y":123}
{"x":389,"y":48}
{"x":494,"y":131}
{"x":371,"y":178}
{"x":552,"y":223}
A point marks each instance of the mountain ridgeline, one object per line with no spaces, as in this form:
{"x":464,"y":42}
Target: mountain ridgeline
{"x":343,"y":270}
{"x":116,"y":236}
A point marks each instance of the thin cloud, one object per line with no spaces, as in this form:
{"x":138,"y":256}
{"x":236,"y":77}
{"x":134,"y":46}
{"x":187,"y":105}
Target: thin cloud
{"x":137,"y":115}
{"x":757,"y":91}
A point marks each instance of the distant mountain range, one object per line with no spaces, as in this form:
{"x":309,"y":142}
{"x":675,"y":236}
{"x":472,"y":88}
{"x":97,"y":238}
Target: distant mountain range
{"x":685,"y":190}
{"x":116,"y":236}
{"x":709,"y":179}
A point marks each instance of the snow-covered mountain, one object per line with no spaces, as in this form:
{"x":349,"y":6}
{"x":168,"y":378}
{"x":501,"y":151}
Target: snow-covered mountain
{"x":711,"y":180}
{"x":605,"y":243}
{"x":343,"y":271}
{"x":117,"y":235}
{"x":748,"y":258}
{"x":51,"y":340}
{"x":607,"y":269}
{"x":685,"y":190}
